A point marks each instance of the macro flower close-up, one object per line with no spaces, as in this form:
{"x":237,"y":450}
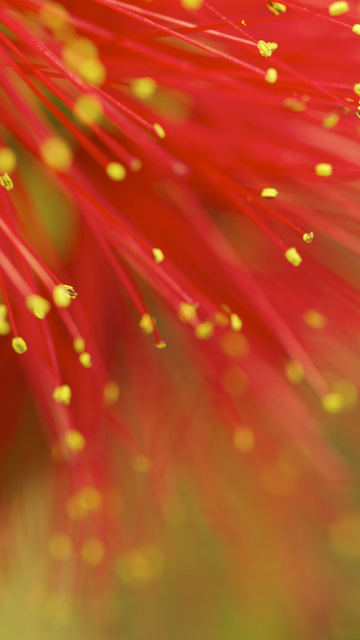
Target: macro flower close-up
{"x":180,"y":319}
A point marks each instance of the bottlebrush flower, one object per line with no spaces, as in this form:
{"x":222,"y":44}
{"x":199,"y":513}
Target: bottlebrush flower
{"x":185,"y":175}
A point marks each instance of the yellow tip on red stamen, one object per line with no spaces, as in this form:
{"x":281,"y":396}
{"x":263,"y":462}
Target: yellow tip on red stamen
{"x":315,"y":319}
{"x":160,"y":344}
{"x":89,"y":109}
{"x":62,"y":394}
{"x":204,"y":330}
{"x":111,"y":393}
{"x":159,"y":130}
{"x":6,"y":182}
{"x":308,"y":237}
{"x":338,"y":8}
{"x":323,"y":169}
{"x":268,"y":192}
{"x":266,"y":48}
{"x":93,"y":71}
{"x":331,"y":120}
{"x":19,"y":345}
{"x":56,"y":153}
{"x":63,"y":294}
{"x":85,"y":360}
{"x":38,"y":306}
{"x":293,"y":257}
{"x":356,"y":29}
{"x":193,"y":5}
{"x":276,"y":7}
{"x":146,"y":324}
{"x":74,"y":440}
{"x":271,"y":76}
{"x":144,"y":88}
{"x":158,"y":255}
{"x":5,"y":326}
{"x":186,"y":312}
{"x":235,"y":322}
{"x":333,"y":402}
{"x":7,"y":160}
{"x":294,"y":371}
{"x":116,"y":171}
{"x":357,"y":88}
{"x":79,"y":344}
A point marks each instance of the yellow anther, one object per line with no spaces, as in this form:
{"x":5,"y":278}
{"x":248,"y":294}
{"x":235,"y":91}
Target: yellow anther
{"x":191,"y":4}
{"x":93,"y":71}
{"x":7,"y":160}
{"x":19,"y":345}
{"x":331,"y":120}
{"x":294,"y":104}
{"x":116,"y":171}
{"x":62,"y":394}
{"x":356,"y":29}
{"x":5,"y":327}
{"x":276,"y":7}
{"x":86,"y":501}
{"x":269,"y":192}
{"x":338,"y":8}
{"x":89,"y":109}
{"x":235,"y":322}
{"x":293,"y":257}
{"x":60,"y":546}
{"x":357,"y":88}
{"x":79,"y":344}
{"x":146,"y":323}
{"x":53,"y":15}
{"x":244,"y":439}
{"x":85,"y":360}
{"x":6,"y":182}
{"x":333,"y":402}
{"x":314,"y":319}
{"x":294,"y":371}
{"x":323,"y":169}
{"x":144,"y":88}
{"x":74,"y":440}
{"x":264,"y":49}
{"x":160,"y":344}
{"x":56,"y":153}
{"x":141,"y":463}
{"x":63,"y":294}
{"x":267,"y":48}
{"x":187,"y":312}
{"x":38,"y":306}
{"x":92,"y":552}
{"x":205,"y":330}
{"x":158,"y":255}
{"x":78,"y":51}
{"x":159,"y":130}
{"x":111,"y":393}
{"x":271,"y":76}
{"x":308,"y":237}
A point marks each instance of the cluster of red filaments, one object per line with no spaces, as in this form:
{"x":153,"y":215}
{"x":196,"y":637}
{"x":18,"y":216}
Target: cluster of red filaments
{"x":192,"y":148}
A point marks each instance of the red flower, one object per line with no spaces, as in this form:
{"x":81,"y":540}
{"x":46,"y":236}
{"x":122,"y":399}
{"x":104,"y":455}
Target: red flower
{"x":169,"y":165}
